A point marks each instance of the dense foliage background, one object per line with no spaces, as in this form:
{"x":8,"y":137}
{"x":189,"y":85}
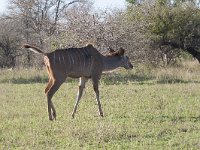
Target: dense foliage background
{"x":158,"y":32}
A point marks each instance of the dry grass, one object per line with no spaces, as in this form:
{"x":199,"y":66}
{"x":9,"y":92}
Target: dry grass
{"x":188,"y":71}
{"x":145,"y":108}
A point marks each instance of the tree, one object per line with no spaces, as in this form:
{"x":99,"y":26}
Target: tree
{"x":9,"y":44}
{"x":39,"y":21}
{"x":49,"y":25}
{"x":172,"y":28}
{"x":102,"y":29}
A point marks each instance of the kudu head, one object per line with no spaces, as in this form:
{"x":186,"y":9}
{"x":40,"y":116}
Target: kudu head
{"x":124,"y":60}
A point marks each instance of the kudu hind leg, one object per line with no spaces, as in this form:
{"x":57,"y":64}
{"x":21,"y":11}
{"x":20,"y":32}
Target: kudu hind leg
{"x":52,"y":90}
{"x":79,"y":94}
{"x":96,"y":89}
{"x":48,"y":85}
{"x":50,"y":80}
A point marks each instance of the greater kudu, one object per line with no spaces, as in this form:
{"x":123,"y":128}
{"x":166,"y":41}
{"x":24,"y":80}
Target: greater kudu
{"x":83,"y":63}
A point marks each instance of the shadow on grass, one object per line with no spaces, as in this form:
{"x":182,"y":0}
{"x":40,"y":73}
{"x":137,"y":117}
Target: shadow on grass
{"x":107,"y":79}
{"x":178,"y":118}
{"x":174,"y":81}
{"x":166,"y":118}
{"x":22,"y":80}
{"x":125,"y":79}
{"x":142,"y":79}
{"x":30,"y":80}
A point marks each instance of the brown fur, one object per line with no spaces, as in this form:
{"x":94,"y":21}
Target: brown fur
{"x":83,"y":63}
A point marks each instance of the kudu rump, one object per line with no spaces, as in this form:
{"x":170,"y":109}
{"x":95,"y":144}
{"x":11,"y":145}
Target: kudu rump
{"x":83,"y":63}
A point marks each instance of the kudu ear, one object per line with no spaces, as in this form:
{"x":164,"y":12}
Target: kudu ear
{"x":111,"y":50}
{"x":121,"y":51}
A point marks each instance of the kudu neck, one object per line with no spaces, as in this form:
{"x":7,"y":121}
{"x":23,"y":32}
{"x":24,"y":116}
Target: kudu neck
{"x":111,"y":62}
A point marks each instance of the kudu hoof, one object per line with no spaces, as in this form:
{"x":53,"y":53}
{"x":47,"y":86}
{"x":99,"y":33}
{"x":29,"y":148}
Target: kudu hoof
{"x":54,"y":116}
{"x":101,"y":114}
{"x":50,"y":118}
{"x":73,"y":115}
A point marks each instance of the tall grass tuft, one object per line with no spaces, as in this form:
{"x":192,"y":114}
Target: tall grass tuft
{"x":186,"y":72}
{"x":23,"y":76}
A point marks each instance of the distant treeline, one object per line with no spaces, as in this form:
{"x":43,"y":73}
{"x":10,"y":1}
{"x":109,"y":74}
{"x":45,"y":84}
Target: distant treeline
{"x":159,"y":32}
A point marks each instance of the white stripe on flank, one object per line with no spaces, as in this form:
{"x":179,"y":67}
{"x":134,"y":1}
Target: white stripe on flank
{"x":72,"y":59}
{"x":90,"y":64}
{"x":63,"y":60}
{"x":86,"y":53}
{"x":69,"y":59}
{"x":87,"y":60}
{"x":76,"y":57}
{"x":59,"y":59}
{"x":79,"y":60}
{"x":54,"y":58}
{"x":83,"y":56}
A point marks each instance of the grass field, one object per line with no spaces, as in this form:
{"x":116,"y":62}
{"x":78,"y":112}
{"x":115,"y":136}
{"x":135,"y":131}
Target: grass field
{"x":144,"y":109}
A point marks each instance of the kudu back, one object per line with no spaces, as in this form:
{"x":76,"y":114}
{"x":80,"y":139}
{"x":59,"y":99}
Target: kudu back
{"x":83,"y":63}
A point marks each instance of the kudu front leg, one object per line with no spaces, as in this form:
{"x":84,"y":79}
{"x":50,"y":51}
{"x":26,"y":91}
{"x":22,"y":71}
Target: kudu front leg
{"x":79,"y":94}
{"x":96,"y":89}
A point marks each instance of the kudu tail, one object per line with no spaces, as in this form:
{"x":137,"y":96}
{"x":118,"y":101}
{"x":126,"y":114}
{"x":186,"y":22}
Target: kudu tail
{"x":34,"y":49}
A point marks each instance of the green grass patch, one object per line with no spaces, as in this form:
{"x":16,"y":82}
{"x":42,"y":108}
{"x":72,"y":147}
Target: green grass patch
{"x":144,"y":109}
